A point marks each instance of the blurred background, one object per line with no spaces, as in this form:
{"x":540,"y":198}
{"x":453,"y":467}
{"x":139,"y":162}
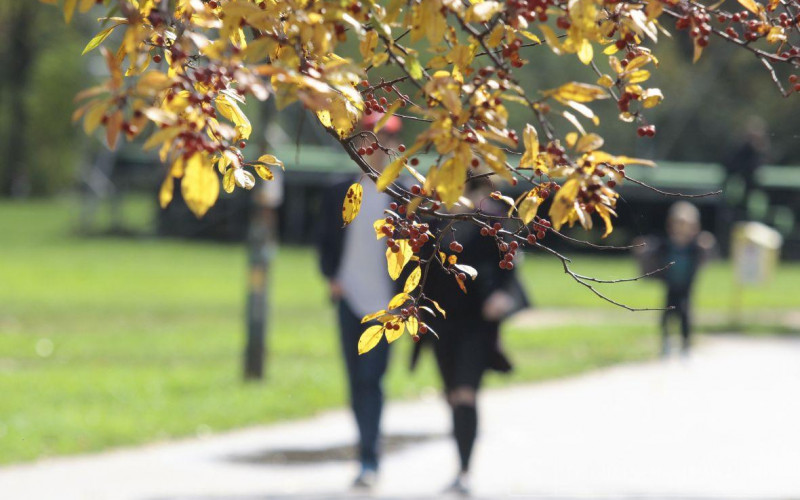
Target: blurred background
{"x":121,"y":323}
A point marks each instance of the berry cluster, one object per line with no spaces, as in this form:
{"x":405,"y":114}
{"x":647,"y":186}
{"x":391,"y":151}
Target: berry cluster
{"x":539,"y":229}
{"x":529,"y":10}
{"x":374,"y":104}
{"x":398,"y":227}
{"x":698,"y":21}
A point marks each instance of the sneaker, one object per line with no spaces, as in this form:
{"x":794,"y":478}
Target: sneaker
{"x":366,"y":479}
{"x":460,"y":486}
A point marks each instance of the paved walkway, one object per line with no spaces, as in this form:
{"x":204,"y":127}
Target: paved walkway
{"x":724,"y":424}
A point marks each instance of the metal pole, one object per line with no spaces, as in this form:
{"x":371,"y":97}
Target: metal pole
{"x":260,"y":243}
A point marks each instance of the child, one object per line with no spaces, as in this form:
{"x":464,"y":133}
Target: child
{"x":686,"y":247}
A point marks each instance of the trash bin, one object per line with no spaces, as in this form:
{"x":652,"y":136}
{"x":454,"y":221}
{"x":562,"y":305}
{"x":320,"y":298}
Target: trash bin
{"x":755,"y":250}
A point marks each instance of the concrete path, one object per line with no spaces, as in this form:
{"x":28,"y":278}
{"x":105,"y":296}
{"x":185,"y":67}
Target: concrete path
{"x":724,"y":424}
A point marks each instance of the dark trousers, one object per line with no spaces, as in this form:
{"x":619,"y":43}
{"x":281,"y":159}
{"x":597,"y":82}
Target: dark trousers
{"x":365,"y":375}
{"x":679,"y":300}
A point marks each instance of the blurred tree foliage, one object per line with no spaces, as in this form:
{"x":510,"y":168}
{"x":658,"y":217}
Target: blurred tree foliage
{"x":40,"y":76}
{"x":705,"y":103}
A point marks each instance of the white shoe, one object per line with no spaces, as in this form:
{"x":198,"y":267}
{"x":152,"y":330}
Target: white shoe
{"x":460,"y":486}
{"x":366,"y":480}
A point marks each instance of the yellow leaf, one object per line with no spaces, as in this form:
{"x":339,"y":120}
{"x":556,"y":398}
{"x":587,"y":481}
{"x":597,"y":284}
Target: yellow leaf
{"x":638,"y":76}
{"x":94,"y":116}
{"x":270,"y":160}
{"x":439,"y":308}
{"x":228,"y":182}
{"x":563,"y":202}
{"x":605,"y":213}
{"x":413,"y":280}
{"x":98,"y":39}
{"x":398,"y":300}
{"x":412,"y":325}
{"x":531,"y":140}
{"x":263,"y":172}
{"x":750,"y":5}
{"x":482,"y":12}
{"x":166,"y":191}
{"x":496,"y":36}
{"x":375,"y":315}
{"x":370,"y":338}
{"x":394,"y":333}
{"x":578,"y":92}
{"x":230,"y":110}
{"x":589,"y":142}
{"x":450,"y":179}
{"x":69,"y":9}
{"x":605,"y":81}
{"x":585,"y":51}
{"x":651,"y":98}
{"x":698,"y":51}
{"x":551,"y":38}
{"x":529,"y":206}
{"x":390,"y":173}
{"x":368,"y":44}
{"x":396,"y":261}
{"x":352,"y":203}
{"x":200,"y":184}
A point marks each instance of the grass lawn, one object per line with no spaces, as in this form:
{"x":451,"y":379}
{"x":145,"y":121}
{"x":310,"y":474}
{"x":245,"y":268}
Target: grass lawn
{"x":109,"y":342}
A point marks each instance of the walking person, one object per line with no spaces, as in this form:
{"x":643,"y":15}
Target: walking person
{"x":353,"y":262}
{"x":684,"y":249}
{"x":469,"y":338}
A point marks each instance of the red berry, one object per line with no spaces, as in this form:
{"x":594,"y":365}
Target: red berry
{"x":531,"y":239}
{"x":157,"y":58}
{"x":242,"y":144}
{"x":401,"y":148}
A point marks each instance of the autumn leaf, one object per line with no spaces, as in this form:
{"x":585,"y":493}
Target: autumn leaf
{"x":370,"y":338}
{"x":199,"y":185}
{"x":165,"y":193}
{"x":412,"y":325}
{"x":98,"y":39}
{"x":398,"y":300}
{"x":375,"y":315}
{"x":563,"y":202}
{"x":413,"y":280}
{"x":396,"y":261}
{"x":264,"y":172}
{"x":529,"y":206}
{"x":352,"y":203}
{"x":270,"y":160}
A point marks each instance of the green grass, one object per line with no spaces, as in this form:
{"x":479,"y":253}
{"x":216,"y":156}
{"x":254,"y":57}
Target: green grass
{"x":109,"y":342}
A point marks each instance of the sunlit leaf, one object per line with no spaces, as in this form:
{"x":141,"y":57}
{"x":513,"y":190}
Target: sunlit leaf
{"x":370,"y":338}
{"x":413,"y":280}
{"x":396,"y":261}
{"x":200,"y":184}
{"x":352,"y":203}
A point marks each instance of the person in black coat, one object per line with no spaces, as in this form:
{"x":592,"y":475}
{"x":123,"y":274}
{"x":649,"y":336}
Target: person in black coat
{"x":469,"y":341}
